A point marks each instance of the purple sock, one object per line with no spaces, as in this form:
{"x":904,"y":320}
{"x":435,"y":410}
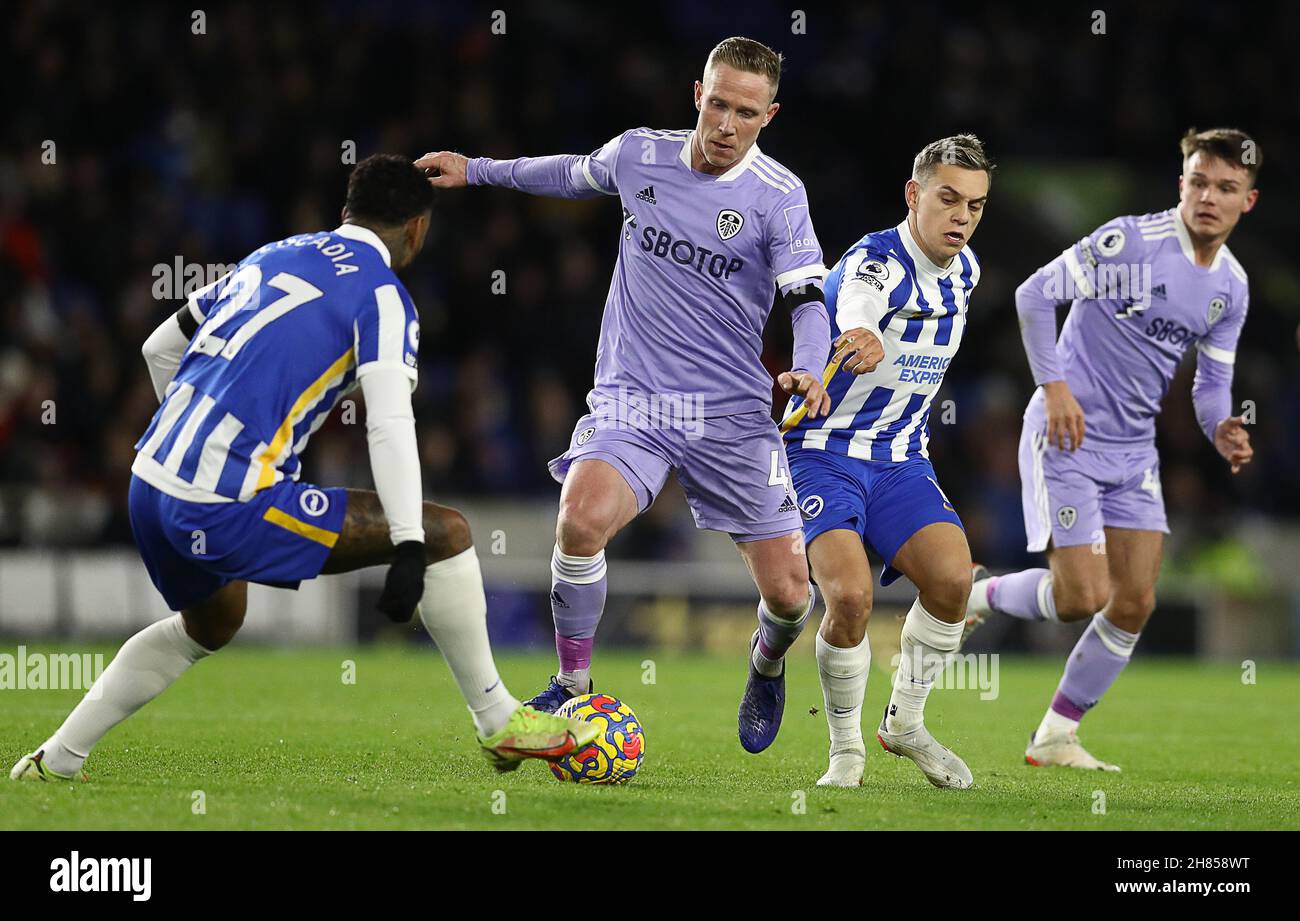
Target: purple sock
{"x":577,"y":600}
{"x":574,"y":652}
{"x":1027,"y":594}
{"x":1094,"y":664}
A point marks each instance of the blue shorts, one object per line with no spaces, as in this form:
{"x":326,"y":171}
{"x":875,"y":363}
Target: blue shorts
{"x":884,"y":502}
{"x":281,"y":536}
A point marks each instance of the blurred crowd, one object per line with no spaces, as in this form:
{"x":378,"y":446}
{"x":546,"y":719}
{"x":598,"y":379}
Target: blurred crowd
{"x":133,"y":137}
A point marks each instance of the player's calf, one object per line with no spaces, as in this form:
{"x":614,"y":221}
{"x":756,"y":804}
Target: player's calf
{"x":780,"y":571}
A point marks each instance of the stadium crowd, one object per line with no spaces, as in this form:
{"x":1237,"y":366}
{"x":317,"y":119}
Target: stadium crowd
{"x":136,"y":142}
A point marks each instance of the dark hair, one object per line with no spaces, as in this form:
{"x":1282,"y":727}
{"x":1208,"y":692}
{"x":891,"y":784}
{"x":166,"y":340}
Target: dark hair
{"x":964,"y":150}
{"x":1231,"y":145}
{"x":387,"y":189}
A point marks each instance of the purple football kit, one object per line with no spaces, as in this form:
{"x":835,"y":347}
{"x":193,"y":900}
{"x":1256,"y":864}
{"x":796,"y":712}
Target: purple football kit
{"x":1139,"y":303}
{"x":679,"y":384}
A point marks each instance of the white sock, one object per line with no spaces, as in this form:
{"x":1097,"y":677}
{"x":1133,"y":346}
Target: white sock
{"x":143,"y":668}
{"x":843,"y":674}
{"x":577,"y":681}
{"x":1055,"y":724}
{"x":927,"y":646}
{"x":454,"y":611}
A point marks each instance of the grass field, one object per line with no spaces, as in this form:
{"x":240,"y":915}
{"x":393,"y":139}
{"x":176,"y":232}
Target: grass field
{"x":275,"y":739}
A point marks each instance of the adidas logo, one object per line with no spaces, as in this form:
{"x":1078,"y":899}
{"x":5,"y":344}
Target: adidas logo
{"x":647,"y":195}
{"x":557,"y":600}
{"x":787,"y":505}
{"x":1158,"y":291}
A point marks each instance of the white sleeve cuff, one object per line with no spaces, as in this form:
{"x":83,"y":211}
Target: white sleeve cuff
{"x":1218,"y":354}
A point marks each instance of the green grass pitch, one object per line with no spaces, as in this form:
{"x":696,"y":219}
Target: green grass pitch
{"x":275,"y":739}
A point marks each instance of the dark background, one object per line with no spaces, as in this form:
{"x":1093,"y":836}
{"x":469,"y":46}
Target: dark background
{"x":171,"y":144}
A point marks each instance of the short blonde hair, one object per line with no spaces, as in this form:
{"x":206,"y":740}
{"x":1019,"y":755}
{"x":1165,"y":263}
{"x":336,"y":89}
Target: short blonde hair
{"x":750,"y":56}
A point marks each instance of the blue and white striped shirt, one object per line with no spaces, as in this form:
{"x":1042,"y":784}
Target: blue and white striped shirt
{"x":280,"y":341}
{"x":886,"y":284}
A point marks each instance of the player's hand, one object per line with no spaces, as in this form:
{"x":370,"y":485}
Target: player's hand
{"x":1233,"y":442}
{"x":404,"y":584}
{"x":808,"y":386}
{"x":860,"y":349}
{"x":1064,"y":416}
{"x":446,"y":170}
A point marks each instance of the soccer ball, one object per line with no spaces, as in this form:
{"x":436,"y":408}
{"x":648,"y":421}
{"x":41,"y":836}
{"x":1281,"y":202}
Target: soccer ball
{"x":616,"y":755}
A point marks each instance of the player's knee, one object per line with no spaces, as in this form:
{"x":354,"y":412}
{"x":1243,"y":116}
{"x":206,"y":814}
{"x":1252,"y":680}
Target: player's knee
{"x":847,"y":601}
{"x":786,"y":597}
{"x":1079,"y":601}
{"x":1131,"y":610}
{"x":580,"y":532}
{"x":947,"y":592}
{"x":842,"y":632}
{"x":446,"y":532}
{"x":213,"y":629}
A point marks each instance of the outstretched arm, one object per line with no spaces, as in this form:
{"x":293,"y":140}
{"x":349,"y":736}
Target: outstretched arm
{"x":560,"y":176}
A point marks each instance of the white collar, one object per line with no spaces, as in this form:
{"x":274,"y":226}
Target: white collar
{"x":365,"y":235}
{"x":922,"y":261}
{"x":734,"y":173}
{"x":1185,"y":242}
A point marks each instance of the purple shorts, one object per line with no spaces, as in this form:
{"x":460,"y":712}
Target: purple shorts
{"x":732,"y":468}
{"x":1070,"y":497}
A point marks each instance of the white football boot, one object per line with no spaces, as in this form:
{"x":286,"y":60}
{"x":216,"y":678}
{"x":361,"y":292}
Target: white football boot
{"x":1062,"y":749}
{"x":977,"y":607}
{"x":940,"y":765}
{"x":848,"y":762}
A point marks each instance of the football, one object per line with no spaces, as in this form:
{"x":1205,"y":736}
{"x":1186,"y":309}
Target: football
{"x":616,"y":755}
